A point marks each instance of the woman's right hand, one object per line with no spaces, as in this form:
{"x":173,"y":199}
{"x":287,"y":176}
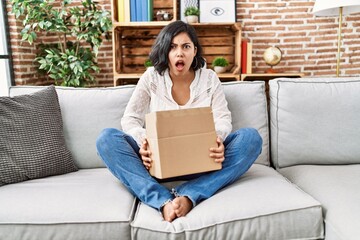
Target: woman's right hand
{"x":145,"y":154}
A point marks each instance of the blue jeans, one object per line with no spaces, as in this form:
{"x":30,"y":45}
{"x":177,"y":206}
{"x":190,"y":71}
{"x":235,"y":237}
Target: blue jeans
{"x":120,"y":154}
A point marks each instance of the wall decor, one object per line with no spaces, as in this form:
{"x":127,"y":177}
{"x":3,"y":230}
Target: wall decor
{"x":217,"y":11}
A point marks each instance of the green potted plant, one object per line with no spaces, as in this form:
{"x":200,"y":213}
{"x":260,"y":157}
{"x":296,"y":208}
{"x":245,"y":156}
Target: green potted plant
{"x":79,"y":29}
{"x":148,"y":63}
{"x":220,"y":64}
{"x":192,"y":14}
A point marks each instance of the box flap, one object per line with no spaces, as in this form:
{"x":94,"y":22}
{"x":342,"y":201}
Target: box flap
{"x":163,"y":124}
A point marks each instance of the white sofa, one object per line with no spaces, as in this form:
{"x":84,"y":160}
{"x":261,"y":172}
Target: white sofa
{"x":263,"y":204}
{"x":315,"y":138}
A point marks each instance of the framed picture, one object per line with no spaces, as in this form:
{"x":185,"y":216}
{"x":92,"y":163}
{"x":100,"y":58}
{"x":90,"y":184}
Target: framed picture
{"x":187,"y":3}
{"x":217,"y":11}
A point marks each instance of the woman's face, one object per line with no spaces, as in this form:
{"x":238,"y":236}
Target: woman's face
{"x":181,"y":55}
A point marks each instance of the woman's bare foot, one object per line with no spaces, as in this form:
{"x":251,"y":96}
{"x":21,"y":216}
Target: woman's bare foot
{"x":168,"y":212}
{"x":182,"y":205}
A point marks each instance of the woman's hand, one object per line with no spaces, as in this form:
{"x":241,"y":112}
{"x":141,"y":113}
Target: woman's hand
{"x":218,"y":153}
{"x":145,"y":154}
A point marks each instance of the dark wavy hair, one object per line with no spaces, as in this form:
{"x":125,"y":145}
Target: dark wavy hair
{"x":161,"y":48}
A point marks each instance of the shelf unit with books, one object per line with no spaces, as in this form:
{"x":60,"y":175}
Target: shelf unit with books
{"x":132,"y":43}
{"x":170,"y":6}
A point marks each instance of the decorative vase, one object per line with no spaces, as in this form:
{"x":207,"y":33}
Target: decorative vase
{"x":192,"y":19}
{"x":219,"y":69}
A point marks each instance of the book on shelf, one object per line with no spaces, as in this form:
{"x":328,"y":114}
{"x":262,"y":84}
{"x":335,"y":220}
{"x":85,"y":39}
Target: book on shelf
{"x":126,"y":10}
{"x":150,"y":10}
{"x":243,"y":56}
{"x":133,"y":15}
{"x":121,"y":10}
{"x":249,"y":58}
{"x":140,"y":10}
{"x":246,"y":57}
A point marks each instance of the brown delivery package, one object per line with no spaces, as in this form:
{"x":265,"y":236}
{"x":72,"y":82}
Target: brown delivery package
{"x":180,"y":140}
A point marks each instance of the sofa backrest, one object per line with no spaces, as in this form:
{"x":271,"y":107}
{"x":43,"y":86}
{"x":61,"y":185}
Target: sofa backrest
{"x":315,"y":121}
{"x":86,"y":111}
{"x":248,"y":106}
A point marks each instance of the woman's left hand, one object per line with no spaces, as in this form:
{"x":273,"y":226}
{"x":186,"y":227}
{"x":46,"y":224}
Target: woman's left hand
{"x":218,"y":153}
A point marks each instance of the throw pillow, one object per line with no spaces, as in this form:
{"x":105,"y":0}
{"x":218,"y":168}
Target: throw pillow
{"x":32,"y":143}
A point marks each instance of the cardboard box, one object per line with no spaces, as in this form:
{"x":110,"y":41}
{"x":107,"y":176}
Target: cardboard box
{"x":180,"y":141}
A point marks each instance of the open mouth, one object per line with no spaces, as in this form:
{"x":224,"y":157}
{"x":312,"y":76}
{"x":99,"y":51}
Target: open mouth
{"x":179,"y":65}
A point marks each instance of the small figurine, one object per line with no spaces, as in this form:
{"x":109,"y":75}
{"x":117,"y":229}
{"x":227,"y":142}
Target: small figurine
{"x":163,"y":15}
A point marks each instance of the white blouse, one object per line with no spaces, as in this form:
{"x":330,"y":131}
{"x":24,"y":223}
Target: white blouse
{"x":153,"y":93}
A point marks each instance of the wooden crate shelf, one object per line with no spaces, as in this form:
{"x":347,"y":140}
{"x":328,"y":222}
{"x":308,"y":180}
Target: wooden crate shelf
{"x":132,"y":42}
{"x":132,"y":45}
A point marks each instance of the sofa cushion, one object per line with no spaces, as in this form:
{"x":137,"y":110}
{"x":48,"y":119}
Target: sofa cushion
{"x":261,"y":205}
{"x":315,"y":121}
{"x":85,"y":112}
{"x":88,"y":204}
{"x":248,"y":106}
{"x":32,"y":142}
{"x":337,"y":189}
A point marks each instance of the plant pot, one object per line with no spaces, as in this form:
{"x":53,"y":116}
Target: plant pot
{"x":192,"y":19}
{"x":219,"y":69}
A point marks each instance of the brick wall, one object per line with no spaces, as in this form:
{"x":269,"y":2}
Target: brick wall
{"x":308,"y":43}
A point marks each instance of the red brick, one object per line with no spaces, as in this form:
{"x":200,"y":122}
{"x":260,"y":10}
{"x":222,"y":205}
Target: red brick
{"x":300,"y":39}
{"x":263,"y":11}
{"x":266,"y":41}
{"x":319,"y":44}
{"x":320,"y":20}
{"x":355,"y":72}
{"x":245,"y":5}
{"x":322,"y":56}
{"x":301,"y":63}
{"x":356,"y":66}
{"x":325,"y":73}
{"x":330,"y":62}
{"x":290,"y":22}
{"x":258,"y":1}
{"x":261,"y":34}
{"x":306,"y":68}
{"x":353,"y":17}
{"x":272,"y":5}
{"x":301,"y":4}
{"x":253,"y":23}
{"x":300,"y":16}
{"x":262,"y":17}
{"x":292,"y":34}
{"x":291,"y":46}
{"x":271,"y":28}
{"x":327,"y":50}
{"x":300,"y":51}
{"x":293,"y":10}
{"x":323,"y":32}
{"x":302,"y":28}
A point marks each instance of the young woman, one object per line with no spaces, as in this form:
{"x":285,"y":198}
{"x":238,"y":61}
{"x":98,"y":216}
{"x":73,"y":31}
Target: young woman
{"x":177,"y":80}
